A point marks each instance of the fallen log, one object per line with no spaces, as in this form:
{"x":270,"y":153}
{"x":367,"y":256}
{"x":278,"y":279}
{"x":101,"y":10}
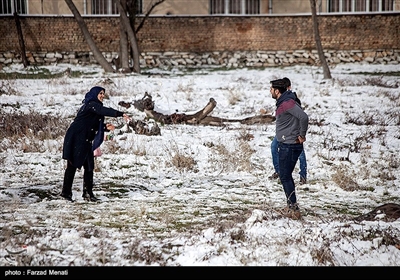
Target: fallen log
{"x":387,"y":212}
{"x":146,"y":105}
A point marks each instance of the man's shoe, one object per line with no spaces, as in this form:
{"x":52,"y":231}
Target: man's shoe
{"x":291,"y":212}
{"x":303,"y":180}
{"x":295,"y":214}
{"x":67,"y":197}
{"x":274,"y":176}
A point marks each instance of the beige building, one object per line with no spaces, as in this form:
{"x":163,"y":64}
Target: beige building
{"x":200,"y":7}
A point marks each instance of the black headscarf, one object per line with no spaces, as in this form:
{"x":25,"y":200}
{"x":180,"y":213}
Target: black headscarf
{"x":92,"y":96}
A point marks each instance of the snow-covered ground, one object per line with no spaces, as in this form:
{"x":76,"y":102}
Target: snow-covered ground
{"x":200,"y":195}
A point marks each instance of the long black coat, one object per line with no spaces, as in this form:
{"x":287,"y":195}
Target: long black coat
{"x":78,"y":141}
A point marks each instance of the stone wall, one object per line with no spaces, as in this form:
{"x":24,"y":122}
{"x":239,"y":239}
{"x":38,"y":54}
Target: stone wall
{"x":210,"y":40}
{"x":167,"y":60}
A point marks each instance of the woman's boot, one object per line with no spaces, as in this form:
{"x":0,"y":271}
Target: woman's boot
{"x":91,"y":195}
{"x":88,"y":193}
{"x":69,"y":175}
{"x":88,"y":186}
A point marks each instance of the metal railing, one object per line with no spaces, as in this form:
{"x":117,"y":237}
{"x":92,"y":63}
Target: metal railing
{"x":214,"y":7}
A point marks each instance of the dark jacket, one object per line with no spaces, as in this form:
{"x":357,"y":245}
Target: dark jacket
{"x":86,"y":132}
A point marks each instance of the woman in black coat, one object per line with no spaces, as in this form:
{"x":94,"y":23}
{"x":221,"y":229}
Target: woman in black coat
{"x":85,"y":134}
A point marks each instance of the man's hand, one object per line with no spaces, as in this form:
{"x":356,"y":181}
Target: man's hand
{"x":301,"y":139}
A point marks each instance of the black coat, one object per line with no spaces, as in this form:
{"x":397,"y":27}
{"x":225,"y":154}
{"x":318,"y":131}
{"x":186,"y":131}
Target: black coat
{"x":78,"y":141}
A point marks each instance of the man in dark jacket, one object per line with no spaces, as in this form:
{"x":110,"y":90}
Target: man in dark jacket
{"x":291,"y":129}
{"x":85,"y":134}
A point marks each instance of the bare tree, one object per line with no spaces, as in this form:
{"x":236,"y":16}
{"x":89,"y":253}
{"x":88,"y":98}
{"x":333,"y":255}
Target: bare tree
{"x":21,"y":40}
{"x":128,"y":14}
{"x":123,"y":58}
{"x":131,"y":35}
{"x":325,"y":67}
{"x":92,"y":45}
{"x":127,"y":31}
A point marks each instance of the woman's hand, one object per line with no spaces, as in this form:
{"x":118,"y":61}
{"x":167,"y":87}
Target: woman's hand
{"x":110,"y":126}
{"x":126,"y":117}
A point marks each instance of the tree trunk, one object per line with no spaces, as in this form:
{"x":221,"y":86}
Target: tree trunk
{"x":92,"y":45}
{"x":325,"y":67}
{"x":21,"y":40}
{"x":124,"y":50}
{"x":132,"y":37}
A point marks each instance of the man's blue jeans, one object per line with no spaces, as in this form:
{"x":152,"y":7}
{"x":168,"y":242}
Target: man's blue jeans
{"x":288,"y":156}
{"x":275,"y":159}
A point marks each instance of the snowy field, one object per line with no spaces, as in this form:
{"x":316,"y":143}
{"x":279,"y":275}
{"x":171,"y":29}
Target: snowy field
{"x":200,"y":195}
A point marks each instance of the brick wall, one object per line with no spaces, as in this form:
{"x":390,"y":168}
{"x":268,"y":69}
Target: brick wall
{"x":208,"y":33}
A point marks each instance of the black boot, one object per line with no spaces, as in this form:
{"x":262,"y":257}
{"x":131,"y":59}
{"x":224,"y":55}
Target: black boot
{"x":92,"y":197}
{"x":88,"y":194}
{"x":84,"y":194}
{"x":88,"y":187}
{"x":67,"y":197}
{"x":69,"y":175}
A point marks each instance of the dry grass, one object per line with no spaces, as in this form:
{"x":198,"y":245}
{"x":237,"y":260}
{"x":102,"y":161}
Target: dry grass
{"x":27,"y":131}
{"x":7,"y":87}
{"x":344,"y":179}
{"x":180,"y":159}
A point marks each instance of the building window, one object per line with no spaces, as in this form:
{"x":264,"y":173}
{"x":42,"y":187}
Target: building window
{"x":235,"y":7}
{"x":104,"y":7}
{"x":8,"y":7}
{"x":384,"y":5}
{"x":360,"y":6}
{"x":252,"y":7}
{"x":139,"y":7}
{"x":342,"y":6}
{"x":217,"y":7}
{"x":110,"y":7}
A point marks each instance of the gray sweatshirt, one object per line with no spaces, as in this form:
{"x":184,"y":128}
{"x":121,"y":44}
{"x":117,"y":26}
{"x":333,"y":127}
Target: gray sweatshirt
{"x":291,"y":120}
